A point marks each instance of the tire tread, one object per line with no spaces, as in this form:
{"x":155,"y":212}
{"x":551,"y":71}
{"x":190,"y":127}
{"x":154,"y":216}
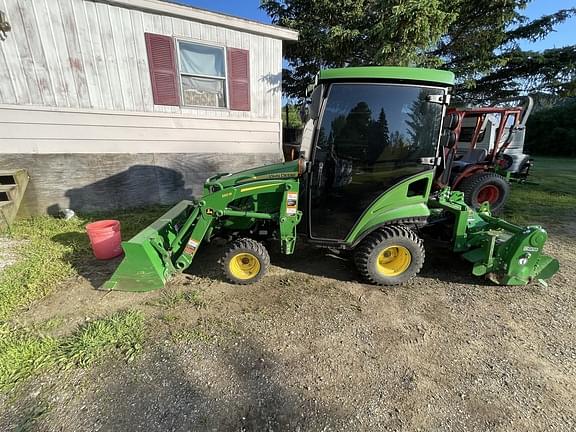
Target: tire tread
{"x":367,"y":246}
{"x":469,"y":185}
{"x":248,"y":245}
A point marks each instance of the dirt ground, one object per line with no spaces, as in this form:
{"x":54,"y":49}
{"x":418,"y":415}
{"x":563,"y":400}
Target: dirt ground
{"x":310,"y":348}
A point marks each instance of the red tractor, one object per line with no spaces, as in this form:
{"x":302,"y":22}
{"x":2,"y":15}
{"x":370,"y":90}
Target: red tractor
{"x":489,"y":152}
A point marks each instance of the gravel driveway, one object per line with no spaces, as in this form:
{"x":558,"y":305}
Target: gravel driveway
{"x":309,"y":348}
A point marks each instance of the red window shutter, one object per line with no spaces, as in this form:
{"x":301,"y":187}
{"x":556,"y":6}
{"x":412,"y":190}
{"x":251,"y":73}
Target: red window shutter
{"x":162,"y":63}
{"x":239,"y":79}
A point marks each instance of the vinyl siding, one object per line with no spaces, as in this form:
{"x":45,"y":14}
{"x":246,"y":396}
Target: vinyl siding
{"x":92,"y":55}
{"x":44,"y":130}
{"x":76,"y":106}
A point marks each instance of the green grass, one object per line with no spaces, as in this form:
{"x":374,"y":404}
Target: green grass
{"x":50,"y":250}
{"x":25,"y":352}
{"x":121,"y":333}
{"x":41,"y":265}
{"x":552,"y":200}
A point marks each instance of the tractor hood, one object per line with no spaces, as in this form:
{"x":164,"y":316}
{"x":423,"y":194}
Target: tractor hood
{"x":284,"y":170}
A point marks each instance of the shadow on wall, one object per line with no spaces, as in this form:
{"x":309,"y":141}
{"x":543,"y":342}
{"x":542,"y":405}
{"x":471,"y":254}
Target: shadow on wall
{"x":275,"y":80}
{"x":138,"y":186}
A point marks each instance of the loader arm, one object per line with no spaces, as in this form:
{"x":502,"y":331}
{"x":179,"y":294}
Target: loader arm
{"x":169,"y":244}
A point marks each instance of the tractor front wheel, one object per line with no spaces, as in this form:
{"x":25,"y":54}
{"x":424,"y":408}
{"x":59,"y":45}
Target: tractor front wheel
{"x":486,"y":186}
{"x":390,"y":256}
{"x":245,"y":261}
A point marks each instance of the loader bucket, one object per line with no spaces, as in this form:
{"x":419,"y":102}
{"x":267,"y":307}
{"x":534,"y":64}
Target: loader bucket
{"x":147,"y":263}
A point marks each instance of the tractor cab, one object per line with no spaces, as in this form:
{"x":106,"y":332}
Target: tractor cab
{"x":371,"y":140}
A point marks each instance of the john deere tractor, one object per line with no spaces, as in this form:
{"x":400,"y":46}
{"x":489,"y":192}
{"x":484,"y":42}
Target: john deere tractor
{"x":371,"y":152}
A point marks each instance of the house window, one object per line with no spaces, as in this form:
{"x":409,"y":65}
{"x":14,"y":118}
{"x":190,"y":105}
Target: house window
{"x":184,"y":73}
{"x":202,"y":71}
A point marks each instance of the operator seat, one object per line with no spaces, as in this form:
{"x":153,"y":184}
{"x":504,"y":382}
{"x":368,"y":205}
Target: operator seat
{"x":474,"y":156}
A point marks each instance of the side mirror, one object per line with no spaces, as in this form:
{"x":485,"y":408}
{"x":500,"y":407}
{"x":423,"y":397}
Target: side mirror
{"x":316,"y":98}
{"x":310,"y":89}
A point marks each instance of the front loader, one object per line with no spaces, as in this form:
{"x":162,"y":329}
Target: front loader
{"x":371,"y":152}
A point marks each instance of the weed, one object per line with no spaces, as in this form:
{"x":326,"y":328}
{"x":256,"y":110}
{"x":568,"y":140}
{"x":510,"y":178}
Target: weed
{"x":122,"y":332}
{"x":39,"y":269}
{"x":23,"y":353}
{"x":42,"y":261}
{"x":169,"y":318}
{"x":51,"y":250}
{"x":194,"y":298}
{"x":48,"y":254}
{"x":49,"y":324}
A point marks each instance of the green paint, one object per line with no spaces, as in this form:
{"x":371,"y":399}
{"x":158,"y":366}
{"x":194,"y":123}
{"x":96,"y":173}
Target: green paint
{"x":391,"y":73}
{"x":168,"y":245}
{"x":394,"y":204}
{"x":286,"y":170}
{"x":507,"y":254}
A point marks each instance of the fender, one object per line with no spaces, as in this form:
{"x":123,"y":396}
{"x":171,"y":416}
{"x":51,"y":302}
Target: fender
{"x":405,"y":201}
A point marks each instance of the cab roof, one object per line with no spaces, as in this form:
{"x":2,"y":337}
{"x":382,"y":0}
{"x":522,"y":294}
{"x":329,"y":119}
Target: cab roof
{"x":391,"y":73}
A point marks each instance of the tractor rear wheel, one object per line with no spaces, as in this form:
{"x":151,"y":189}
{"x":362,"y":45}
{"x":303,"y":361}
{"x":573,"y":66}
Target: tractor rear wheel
{"x":245,"y":261}
{"x":486,"y":186}
{"x":390,"y":256}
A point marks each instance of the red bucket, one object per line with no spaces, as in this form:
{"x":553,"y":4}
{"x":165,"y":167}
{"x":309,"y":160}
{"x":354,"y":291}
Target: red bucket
{"x":105,"y":238}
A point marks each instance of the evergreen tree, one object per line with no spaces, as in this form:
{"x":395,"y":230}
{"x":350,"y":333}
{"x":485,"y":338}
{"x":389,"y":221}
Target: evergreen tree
{"x":477,"y":40}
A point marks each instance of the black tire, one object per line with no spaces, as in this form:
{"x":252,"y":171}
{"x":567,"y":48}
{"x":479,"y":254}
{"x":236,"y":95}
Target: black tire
{"x":245,"y":249}
{"x":475,"y":187}
{"x":368,"y":254}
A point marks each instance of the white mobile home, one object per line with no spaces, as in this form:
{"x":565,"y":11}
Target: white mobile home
{"x":122,"y":103}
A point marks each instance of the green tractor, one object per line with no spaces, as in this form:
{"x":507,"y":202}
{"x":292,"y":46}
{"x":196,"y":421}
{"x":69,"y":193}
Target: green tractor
{"x":371,"y":153}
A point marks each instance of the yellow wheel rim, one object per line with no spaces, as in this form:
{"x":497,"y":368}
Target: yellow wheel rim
{"x":244,"y":266}
{"x":393,"y":261}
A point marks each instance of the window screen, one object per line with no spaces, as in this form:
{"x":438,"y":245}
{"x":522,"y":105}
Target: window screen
{"x":202,"y":75}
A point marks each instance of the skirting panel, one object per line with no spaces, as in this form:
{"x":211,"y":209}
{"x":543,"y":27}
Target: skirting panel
{"x":102,"y":182}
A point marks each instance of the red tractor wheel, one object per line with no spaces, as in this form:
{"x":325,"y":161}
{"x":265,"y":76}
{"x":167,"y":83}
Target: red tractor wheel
{"x":489,"y":193}
{"x":485,"y":186}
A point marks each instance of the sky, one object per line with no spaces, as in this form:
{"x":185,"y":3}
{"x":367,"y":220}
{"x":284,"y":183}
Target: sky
{"x":565,"y":33}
